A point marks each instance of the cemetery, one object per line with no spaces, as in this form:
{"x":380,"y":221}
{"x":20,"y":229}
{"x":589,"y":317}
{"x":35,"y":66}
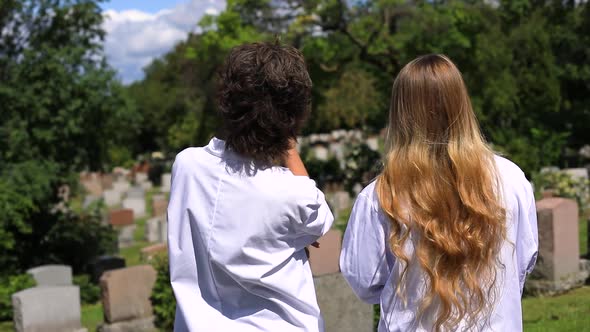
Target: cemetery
{"x":132,"y":283}
{"x":95,"y":104}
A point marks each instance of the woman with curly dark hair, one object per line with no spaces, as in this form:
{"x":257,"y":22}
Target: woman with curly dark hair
{"x":242,"y":209}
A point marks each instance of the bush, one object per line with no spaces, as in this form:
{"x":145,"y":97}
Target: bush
{"x":362,"y":166}
{"x":77,"y":239}
{"x":89,"y":292}
{"x":162,"y":298}
{"x":563,"y":185}
{"x":9,"y":286}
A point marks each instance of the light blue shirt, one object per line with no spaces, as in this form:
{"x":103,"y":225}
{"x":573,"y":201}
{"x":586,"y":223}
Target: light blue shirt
{"x":236,"y":240}
{"x":373,"y":272}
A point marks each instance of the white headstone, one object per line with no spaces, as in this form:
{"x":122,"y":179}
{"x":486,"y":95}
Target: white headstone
{"x":112,"y":197}
{"x":47,"y":309}
{"x":126,"y":236}
{"x":135,"y":204}
{"x":51,"y":275}
{"x":166,"y":182}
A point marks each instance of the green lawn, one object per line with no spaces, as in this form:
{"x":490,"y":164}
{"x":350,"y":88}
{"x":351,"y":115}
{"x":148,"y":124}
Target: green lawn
{"x":567,"y":312}
{"x":92,"y":316}
{"x":583,"y":236}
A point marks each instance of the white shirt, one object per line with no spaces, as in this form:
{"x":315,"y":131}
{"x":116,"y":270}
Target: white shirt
{"x":373,"y":272}
{"x":236,"y":240}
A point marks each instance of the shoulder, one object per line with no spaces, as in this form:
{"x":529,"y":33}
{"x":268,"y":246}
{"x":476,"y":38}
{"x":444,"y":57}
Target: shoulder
{"x":187,"y":159}
{"x":368,"y":196}
{"x":513,"y":180}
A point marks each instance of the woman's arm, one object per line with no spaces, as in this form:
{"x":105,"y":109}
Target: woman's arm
{"x":293,"y":161}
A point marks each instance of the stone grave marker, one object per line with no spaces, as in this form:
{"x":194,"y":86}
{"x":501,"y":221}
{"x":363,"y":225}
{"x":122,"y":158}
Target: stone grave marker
{"x":105,"y":263}
{"x":135,"y":204}
{"x":558,"y":263}
{"x":156,"y":229}
{"x":326,"y":258}
{"x":136,"y":192}
{"x":159,"y":205}
{"x":141,"y":177}
{"x":121,"y":217}
{"x":121,"y":186}
{"x":125,"y":238}
{"x":149,"y":252}
{"x":125,"y":295}
{"x":112,"y":197}
{"x":341,"y":309}
{"x":146,"y":185}
{"x":47,"y":309}
{"x":166,"y":182}
{"x":92,"y":183}
{"x":51,"y":275}
{"x":107,"y":181}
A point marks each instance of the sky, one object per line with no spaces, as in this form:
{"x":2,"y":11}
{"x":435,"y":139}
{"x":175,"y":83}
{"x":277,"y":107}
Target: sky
{"x":140,"y":30}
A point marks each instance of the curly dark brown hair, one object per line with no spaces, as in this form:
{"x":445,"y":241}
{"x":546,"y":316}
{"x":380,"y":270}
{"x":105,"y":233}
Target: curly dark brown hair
{"x":264,"y":96}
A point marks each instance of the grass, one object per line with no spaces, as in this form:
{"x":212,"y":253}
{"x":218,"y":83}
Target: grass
{"x":6,"y":327}
{"x":583,"y":236}
{"x":567,"y":312}
{"x":92,"y":316}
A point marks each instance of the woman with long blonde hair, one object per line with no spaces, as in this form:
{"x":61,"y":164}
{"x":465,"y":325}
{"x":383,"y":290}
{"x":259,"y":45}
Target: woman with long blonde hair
{"x":445,"y":236}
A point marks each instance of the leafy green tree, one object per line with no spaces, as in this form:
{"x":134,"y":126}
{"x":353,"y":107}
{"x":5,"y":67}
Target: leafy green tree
{"x":61,"y":110}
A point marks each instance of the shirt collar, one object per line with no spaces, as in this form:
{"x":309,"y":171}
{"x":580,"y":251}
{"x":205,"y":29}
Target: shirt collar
{"x":217,"y":147}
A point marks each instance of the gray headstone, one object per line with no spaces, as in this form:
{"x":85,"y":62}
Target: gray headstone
{"x":47,"y":309}
{"x":136,"y":192}
{"x":141,"y":177}
{"x":341,"y":309}
{"x":52,"y":275}
{"x":135,"y":204}
{"x":121,"y":186}
{"x":166,"y":181}
{"x":156,"y":229}
{"x":112,"y":197}
{"x":126,"y":237}
{"x":147,"y":185}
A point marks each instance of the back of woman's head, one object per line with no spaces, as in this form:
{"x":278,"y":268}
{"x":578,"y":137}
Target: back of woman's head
{"x":440,"y":184}
{"x":264,"y":95}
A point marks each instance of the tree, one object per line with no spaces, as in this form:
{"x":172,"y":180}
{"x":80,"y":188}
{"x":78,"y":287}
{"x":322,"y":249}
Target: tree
{"x":61,"y":112}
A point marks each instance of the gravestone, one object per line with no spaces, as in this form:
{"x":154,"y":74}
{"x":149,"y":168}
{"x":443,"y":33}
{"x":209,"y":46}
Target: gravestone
{"x":159,"y":205}
{"x":136,"y":192}
{"x":149,"y":252}
{"x":558,"y":263}
{"x":47,"y":309}
{"x":51,"y":275}
{"x":125,"y":295}
{"x":107,"y":181}
{"x":341,"y":309}
{"x":166,"y":182}
{"x":112,"y":197}
{"x":325,"y":259}
{"x":126,"y":238}
{"x":91,"y":183}
{"x":146,"y":185}
{"x":121,"y":186}
{"x":121,"y":217}
{"x":152,"y":229}
{"x":141,"y":177}
{"x":105,"y":263}
{"x":135,"y":204}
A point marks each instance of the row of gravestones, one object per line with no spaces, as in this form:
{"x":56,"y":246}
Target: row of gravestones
{"x":156,"y":227}
{"x":54,"y":304}
{"x":333,"y":144}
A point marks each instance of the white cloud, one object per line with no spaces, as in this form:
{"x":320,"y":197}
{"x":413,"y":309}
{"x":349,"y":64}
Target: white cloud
{"x":134,"y":38}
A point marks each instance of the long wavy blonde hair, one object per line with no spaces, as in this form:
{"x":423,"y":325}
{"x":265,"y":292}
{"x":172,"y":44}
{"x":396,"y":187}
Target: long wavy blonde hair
{"x":439,"y":184}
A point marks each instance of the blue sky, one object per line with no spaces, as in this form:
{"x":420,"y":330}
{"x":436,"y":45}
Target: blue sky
{"x":139,"y":31}
{"x":150,"y":6}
